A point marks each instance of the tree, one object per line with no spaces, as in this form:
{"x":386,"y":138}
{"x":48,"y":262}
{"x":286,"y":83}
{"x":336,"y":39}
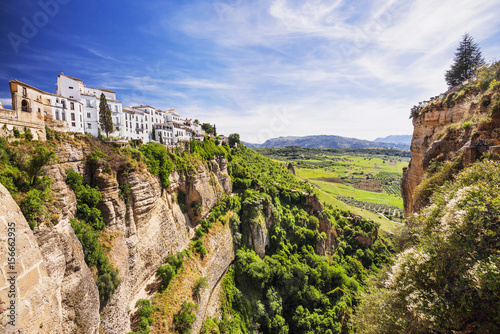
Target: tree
{"x":467,"y":59}
{"x":208,"y":128}
{"x":234,"y":139}
{"x":105,"y":119}
{"x":153,"y":133}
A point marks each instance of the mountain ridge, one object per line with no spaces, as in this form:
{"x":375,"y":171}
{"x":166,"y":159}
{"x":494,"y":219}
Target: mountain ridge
{"x":326,"y":141}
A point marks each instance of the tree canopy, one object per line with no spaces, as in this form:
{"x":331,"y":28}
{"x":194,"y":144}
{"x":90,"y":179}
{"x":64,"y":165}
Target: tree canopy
{"x":105,"y":119}
{"x":234,"y":139}
{"x":467,"y":59}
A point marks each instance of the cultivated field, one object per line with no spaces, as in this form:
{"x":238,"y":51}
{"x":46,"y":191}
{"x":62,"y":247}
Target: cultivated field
{"x":364,"y":181}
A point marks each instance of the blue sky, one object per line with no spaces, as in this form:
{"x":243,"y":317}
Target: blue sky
{"x":260,"y":68}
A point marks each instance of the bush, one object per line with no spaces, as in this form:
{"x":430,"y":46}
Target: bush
{"x":185,"y":319}
{"x":125,"y":192}
{"x":201,"y":284}
{"x":144,"y":311}
{"x":32,"y":206}
{"x":166,"y":273}
{"x":16,"y":132}
{"x":158,"y":161}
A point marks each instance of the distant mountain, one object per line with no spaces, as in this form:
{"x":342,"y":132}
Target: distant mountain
{"x":325,"y":141}
{"x":397,"y":139}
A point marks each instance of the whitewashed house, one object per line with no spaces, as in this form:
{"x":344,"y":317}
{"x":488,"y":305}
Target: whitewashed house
{"x":74,"y":88}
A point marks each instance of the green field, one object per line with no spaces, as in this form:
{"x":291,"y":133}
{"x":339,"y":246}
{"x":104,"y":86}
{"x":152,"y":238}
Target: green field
{"x":355,"y":180}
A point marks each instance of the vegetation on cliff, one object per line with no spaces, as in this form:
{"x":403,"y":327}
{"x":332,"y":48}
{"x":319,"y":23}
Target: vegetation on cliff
{"x":292,"y":288}
{"x":446,"y":279}
{"x":21,"y":164}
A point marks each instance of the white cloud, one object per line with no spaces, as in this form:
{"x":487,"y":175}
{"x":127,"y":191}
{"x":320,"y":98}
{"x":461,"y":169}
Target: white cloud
{"x":338,"y":67}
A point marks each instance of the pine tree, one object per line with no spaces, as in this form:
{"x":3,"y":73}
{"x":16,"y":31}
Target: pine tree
{"x":467,"y":59}
{"x":105,"y":119}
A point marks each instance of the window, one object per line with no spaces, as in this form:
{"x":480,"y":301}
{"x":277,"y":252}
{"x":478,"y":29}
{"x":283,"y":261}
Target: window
{"x":48,"y":101}
{"x":39,"y":110}
{"x":88,"y":103}
{"x":81,"y":119}
{"x":126,"y":124}
{"x":72,"y":105}
{"x":57,"y":114}
{"x":70,"y":87}
{"x":63,"y":116}
{"x":63,"y":104}
{"x":73,"y":116}
{"x":24,"y":92}
{"x":71,"y":97}
{"x":57,"y":100}
{"x":89,"y":126}
{"x":88,"y":115}
{"x":137,"y":125}
{"x":24,"y":105}
{"x":73,"y":124}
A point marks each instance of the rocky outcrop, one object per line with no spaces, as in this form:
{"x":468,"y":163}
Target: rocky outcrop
{"x":325,"y":226}
{"x":151,"y":226}
{"x":56,"y":289}
{"x":435,"y":141}
{"x":221,"y":255}
{"x":55,"y":292}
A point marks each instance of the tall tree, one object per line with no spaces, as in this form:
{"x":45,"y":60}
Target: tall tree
{"x":467,"y":59}
{"x":105,"y":119}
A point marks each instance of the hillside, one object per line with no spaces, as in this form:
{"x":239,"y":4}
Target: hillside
{"x":325,"y":141}
{"x":395,"y":139}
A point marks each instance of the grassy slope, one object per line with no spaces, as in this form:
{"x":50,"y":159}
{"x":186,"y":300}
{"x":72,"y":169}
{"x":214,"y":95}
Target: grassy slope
{"x":385,"y":224}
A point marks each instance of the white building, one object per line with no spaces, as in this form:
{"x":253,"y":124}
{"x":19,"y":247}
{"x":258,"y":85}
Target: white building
{"x":74,"y":88}
{"x":134,"y":122}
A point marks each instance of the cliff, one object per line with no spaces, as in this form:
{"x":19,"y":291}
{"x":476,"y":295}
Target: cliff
{"x":464,"y":123}
{"x":57,"y":292}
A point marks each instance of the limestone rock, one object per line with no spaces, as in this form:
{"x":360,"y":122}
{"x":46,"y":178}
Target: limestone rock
{"x":428,"y":147}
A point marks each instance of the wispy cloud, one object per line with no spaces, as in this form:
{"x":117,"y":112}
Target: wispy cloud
{"x":268,"y":68}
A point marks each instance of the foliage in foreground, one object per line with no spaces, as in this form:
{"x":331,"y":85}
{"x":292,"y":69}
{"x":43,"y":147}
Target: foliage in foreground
{"x":448,"y":279}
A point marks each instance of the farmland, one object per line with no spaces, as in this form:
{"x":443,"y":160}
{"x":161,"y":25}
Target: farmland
{"x":361,"y":180}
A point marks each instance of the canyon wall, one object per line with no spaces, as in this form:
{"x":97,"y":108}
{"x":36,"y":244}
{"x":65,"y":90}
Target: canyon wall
{"x":440,"y":135}
{"x":56,"y":290}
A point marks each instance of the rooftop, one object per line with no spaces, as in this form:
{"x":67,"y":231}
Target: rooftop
{"x":72,"y":78}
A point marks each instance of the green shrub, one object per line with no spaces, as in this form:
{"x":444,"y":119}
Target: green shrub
{"x":181,"y":199}
{"x":166,"y":273}
{"x":125,"y":191}
{"x":144,"y":311}
{"x":158,"y":161}
{"x":32,"y":206}
{"x":185,"y":319}
{"x":201,"y":284}
{"x":467,"y":125}
{"x":16,"y":132}
{"x":27,"y":134}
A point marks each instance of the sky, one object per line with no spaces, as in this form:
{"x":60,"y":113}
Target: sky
{"x":260,"y":68}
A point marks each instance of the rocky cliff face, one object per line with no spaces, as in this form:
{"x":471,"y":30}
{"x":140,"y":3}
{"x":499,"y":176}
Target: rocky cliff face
{"x":56,"y":289}
{"x":440,"y":134}
{"x":151,"y":227}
